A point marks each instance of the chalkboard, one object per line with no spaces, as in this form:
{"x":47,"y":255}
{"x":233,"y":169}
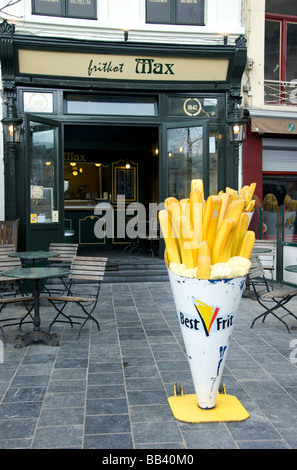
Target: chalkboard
{"x":124,"y":183}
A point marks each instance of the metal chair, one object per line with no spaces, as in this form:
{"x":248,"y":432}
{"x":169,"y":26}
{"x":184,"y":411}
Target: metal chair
{"x":85,"y":272}
{"x":270,"y":299}
{"x":16,"y":295}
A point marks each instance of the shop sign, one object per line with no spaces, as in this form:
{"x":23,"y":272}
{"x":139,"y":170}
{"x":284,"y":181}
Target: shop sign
{"x":119,"y":67}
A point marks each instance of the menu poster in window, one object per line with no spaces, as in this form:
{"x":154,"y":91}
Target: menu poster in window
{"x":82,"y":9}
{"x":190,"y":12}
{"x":48,"y":7}
{"x":158,"y":11}
{"x":125,"y":184}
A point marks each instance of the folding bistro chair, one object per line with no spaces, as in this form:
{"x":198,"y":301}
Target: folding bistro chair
{"x":16,"y":295}
{"x":67,"y":252}
{"x":270,"y":299}
{"x":85,"y":272}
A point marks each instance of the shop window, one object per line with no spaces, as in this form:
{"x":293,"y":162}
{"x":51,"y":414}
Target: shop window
{"x":86,"y":9}
{"x":193,"y":107}
{"x":111,"y":105}
{"x":280,"y":193}
{"x":280,"y":52}
{"x":183,"y":12}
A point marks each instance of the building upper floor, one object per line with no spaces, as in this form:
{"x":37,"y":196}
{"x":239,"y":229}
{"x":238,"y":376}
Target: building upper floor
{"x":270,"y":79}
{"x":155,"y":21}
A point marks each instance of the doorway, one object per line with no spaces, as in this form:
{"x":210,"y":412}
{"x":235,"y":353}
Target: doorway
{"x":106,"y":168}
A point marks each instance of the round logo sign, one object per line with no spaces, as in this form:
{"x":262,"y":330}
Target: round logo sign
{"x":192,"y":107}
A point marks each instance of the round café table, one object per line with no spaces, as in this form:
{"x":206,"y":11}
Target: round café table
{"x":292,"y":268}
{"x":33,"y":255}
{"x":35,"y":274}
{"x":261,"y":250}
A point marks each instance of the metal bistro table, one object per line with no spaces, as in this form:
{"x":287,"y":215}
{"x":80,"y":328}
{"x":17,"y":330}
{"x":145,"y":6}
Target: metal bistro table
{"x":35,"y":274}
{"x":292,"y":268}
{"x":33,"y":255}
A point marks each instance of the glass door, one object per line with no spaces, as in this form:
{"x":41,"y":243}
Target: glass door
{"x":187,"y":157}
{"x":45,"y":220}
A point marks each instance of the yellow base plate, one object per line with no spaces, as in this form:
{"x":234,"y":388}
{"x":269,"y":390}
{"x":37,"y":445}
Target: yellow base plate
{"x":228,"y":408}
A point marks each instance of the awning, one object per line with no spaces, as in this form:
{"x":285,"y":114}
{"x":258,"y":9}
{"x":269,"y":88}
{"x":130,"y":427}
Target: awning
{"x":273,"y":122}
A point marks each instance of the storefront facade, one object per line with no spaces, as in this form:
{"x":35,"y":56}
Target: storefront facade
{"x":109,"y":126}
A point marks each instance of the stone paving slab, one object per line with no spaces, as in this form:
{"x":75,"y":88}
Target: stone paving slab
{"x":109,"y":389}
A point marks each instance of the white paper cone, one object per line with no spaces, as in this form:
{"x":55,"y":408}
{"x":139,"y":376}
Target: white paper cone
{"x":206,"y":311}
{"x":250,"y":214}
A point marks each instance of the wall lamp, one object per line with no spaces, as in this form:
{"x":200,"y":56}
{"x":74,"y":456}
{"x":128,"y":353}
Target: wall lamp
{"x":236,"y":131}
{"x":11,"y":124}
{"x":236,"y":126}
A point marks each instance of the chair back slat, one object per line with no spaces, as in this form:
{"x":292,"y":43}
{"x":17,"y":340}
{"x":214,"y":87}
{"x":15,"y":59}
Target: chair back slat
{"x":67,"y":251}
{"x":87,"y":268}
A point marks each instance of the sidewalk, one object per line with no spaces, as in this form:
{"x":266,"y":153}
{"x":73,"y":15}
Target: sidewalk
{"x":109,"y":389}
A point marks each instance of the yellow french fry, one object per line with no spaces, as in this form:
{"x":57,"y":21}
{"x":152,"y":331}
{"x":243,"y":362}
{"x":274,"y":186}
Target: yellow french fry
{"x":210,"y":219}
{"x":248,"y":198}
{"x":204,"y":261}
{"x":174,"y":210}
{"x":170,"y":200}
{"x":253,"y":188}
{"x":251,"y":206}
{"x":236,"y":209}
{"x":185,"y":205}
{"x":247,"y":244}
{"x":198,"y":184}
{"x":172,"y":244}
{"x":188,"y":244}
{"x":226,"y":201}
{"x":196,"y":213}
{"x":219,"y":254}
{"x":240,"y":232}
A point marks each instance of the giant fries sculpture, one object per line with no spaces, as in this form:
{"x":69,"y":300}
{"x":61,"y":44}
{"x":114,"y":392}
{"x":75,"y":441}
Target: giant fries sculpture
{"x":199,"y":235}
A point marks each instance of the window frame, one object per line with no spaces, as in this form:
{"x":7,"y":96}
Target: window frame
{"x":283,"y":20}
{"x":174,"y":15}
{"x":64,"y":11}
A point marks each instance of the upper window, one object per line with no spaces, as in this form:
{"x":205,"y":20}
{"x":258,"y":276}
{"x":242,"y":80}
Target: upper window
{"x":280,"y":51}
{"x":86,"y":9}
{"x":186,"y":12}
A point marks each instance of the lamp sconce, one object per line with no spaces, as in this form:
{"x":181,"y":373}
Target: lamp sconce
{"x":236,"y":125}
{"x":225,"y":39}
{"x":126,"y":35}
{"x":11,"y":124}
{"x":236,"y":131}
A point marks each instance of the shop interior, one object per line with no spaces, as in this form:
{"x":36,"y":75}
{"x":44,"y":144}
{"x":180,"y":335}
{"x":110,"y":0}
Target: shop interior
{"x":103,"y":163}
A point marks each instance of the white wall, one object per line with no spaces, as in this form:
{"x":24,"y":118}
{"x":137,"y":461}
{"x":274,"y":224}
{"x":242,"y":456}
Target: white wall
{"x":222,"y":17}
